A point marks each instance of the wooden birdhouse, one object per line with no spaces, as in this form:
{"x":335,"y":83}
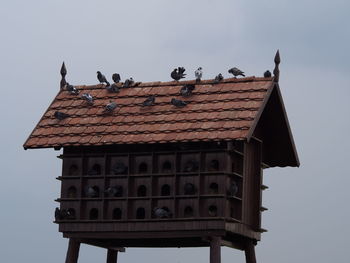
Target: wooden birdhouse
{"x":165,"y":175}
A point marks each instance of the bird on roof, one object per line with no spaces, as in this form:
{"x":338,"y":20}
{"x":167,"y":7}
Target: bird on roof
{"x":236,"y":72}
{"x":198,"y":74}
{"x":101,"y":78}
{"x":88,"y":98}
{"x":71,"y":89}
{"x":149,"y":101}
{"x":218,"y":78}
{"x":114,"y":191}
{"x":178,"y":73}
{"x":110,"y":107}
{"x":189,"y":189}
{"x":128,"y":82}
{"x":267,"y":74}
{"x":162,"y":212}
{"x":186,"y":90}
{"x":112,"y":88}
{"x":178,"y":103}
{"x":232,"y":189}
{"x":60,"y":115}
{"x":116,"y":77}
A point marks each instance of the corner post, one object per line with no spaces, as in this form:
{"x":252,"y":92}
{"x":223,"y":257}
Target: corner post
{"x":250,"y":252}
{"x":73,"y":251}
{"x":112,"y":256}
{"x":215,"y":250}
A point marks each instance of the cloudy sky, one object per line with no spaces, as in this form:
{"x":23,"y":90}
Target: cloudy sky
{"x":308,"y":212}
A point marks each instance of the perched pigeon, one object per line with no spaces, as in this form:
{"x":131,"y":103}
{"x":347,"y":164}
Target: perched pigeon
{"x":70,"y":213}
{"x":191,"y":166}
{"x":115,"y":191}
{"x":149,"y":101}
{"x":267,"y":74}
{"x":186,"y":90}
{"x":120,"y":168}
{"x":60,"y":115}
{"x":232,"y":189}
{"x":128,"y":83}
{"x":236,"y":72}
{"x":112,"y":88}
{"x":95,"y":170}
{"x":162,"y":212}
{"x":71,"y":89}
{"x":178,"y":73}
{"x":189,"y":189}
{"x":110,"y":107}
{"x":178,"y":103}
{"x":198,"y":74}
{"x":218,"y":78}
{"x":101,"y":78}
{"x":58,"y":214}
{"x":91,"y":192}
{"x":116,"y":77}
{"x":88,"y":98}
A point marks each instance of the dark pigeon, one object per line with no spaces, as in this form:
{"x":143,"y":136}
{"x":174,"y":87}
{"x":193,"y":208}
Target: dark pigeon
{"x":186,"y":90}
{"x":115,"y":191}
{"x":267,"y":74}
{"x":218,"y":78}
{"x":91,"y":192}
{"x":232,"y":189}
{"x":128,"y":82}
{"x":110,"y":107}
{"x":88,"y":98}
{"x":191,"y":166}
{"x":58,"y":214}
{"x":178,"y":73}
{"x":70,"y":213}
{"x":60,"y":115}
{"x":120,"y":168}
{"x":71,"y":89}
{"x":189,"y":189}
{"x":236,"y":72}
{"x":101,"y":78}
{"x":112,"y":88}
{"x":178,"y":103}
{"x":149,"y":101}
{"x":198,"y":74}
{"x":162,"y":212}
{"x":116,"y":77}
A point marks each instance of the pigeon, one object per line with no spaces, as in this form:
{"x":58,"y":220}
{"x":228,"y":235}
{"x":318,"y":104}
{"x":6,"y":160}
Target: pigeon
{"x":116,"y":77}
{"x":70,"y":213}
{"x":198,"y":74}
{"x":112,"y":88}
{"x":149,"y":101}
{"x":60,"y":115}
{"x":128,"y":83}
{"x":95,"y":170}
{"x":186,"y":90}
{"x":110,"y":107}
{"x":88,"y":98}
{"x":120,"y":168}
{"x":71,"y":89}
{"x":189,"y":189}
{"x":58,"y":214}
{"x":232,"y":189}
{"x":218,"y":78}
{"x":236,"y":72}
{"x":91,"y":192}
{"x":162,"y":212}
{"x":178,"y":103}
{"x":115,"y":191}
{"x":101,"y":78}
{"x":267,"y":74}
{"x":178,"y":73}
{"x":191,"y":166}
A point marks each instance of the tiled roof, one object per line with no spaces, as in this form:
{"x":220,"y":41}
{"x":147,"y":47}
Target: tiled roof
{"x":223,"y":111}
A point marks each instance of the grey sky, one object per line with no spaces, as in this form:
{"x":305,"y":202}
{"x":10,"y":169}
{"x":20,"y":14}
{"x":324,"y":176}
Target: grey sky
{"x":308,"y":207}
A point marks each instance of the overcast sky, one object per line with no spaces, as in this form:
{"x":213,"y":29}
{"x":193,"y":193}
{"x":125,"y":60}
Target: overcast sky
{"x":308,"y":217}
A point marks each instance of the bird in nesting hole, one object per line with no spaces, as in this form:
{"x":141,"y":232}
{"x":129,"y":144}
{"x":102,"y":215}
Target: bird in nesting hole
{"x":92,"y":191}
{"x":162,"y":212}
{"x":189,"y":189}
{"x":120,"y":168}
{"x":198,"y":74}
{"x":114,"y":191}
{"x":236,"y":72}
{"x":232,"y":189}
{"x":101,"y":78}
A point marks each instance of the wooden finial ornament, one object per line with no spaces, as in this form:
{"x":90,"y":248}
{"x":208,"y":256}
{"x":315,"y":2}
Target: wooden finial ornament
{"x":276,"y":71}
{"x":63,"y":74}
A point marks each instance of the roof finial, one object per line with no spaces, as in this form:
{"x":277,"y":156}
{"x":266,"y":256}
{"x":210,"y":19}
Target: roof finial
{"x":63,"y":74}
{"x":276,"y":71}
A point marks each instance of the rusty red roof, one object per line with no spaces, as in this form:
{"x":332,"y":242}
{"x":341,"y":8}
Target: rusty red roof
{"x":223,"y":111}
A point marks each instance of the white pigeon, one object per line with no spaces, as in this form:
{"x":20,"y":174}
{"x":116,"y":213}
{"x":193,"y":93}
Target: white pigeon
{"x":198,"y":74}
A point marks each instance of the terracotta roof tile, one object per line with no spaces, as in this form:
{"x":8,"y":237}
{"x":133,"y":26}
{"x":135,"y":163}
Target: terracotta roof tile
{"x":223,"y":111}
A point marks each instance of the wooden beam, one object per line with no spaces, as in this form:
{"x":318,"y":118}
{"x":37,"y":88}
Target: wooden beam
{"x":215,"y":247}
{"x":73,"y":251}
{"x":112,"y":256}
{"x":250,"y":252}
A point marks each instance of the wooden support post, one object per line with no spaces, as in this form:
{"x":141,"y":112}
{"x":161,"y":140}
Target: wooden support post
{"x":250,"y":252}
{"x":112,"y":256}
{"x":73,"y":251}
{"x":215,"y":253}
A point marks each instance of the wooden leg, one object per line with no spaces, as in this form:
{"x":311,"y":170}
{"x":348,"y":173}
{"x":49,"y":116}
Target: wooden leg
{"x":73,"y":251}
{"x":215,"y":253}
{"x":250,"y":252}
{"x":112,"y":256}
